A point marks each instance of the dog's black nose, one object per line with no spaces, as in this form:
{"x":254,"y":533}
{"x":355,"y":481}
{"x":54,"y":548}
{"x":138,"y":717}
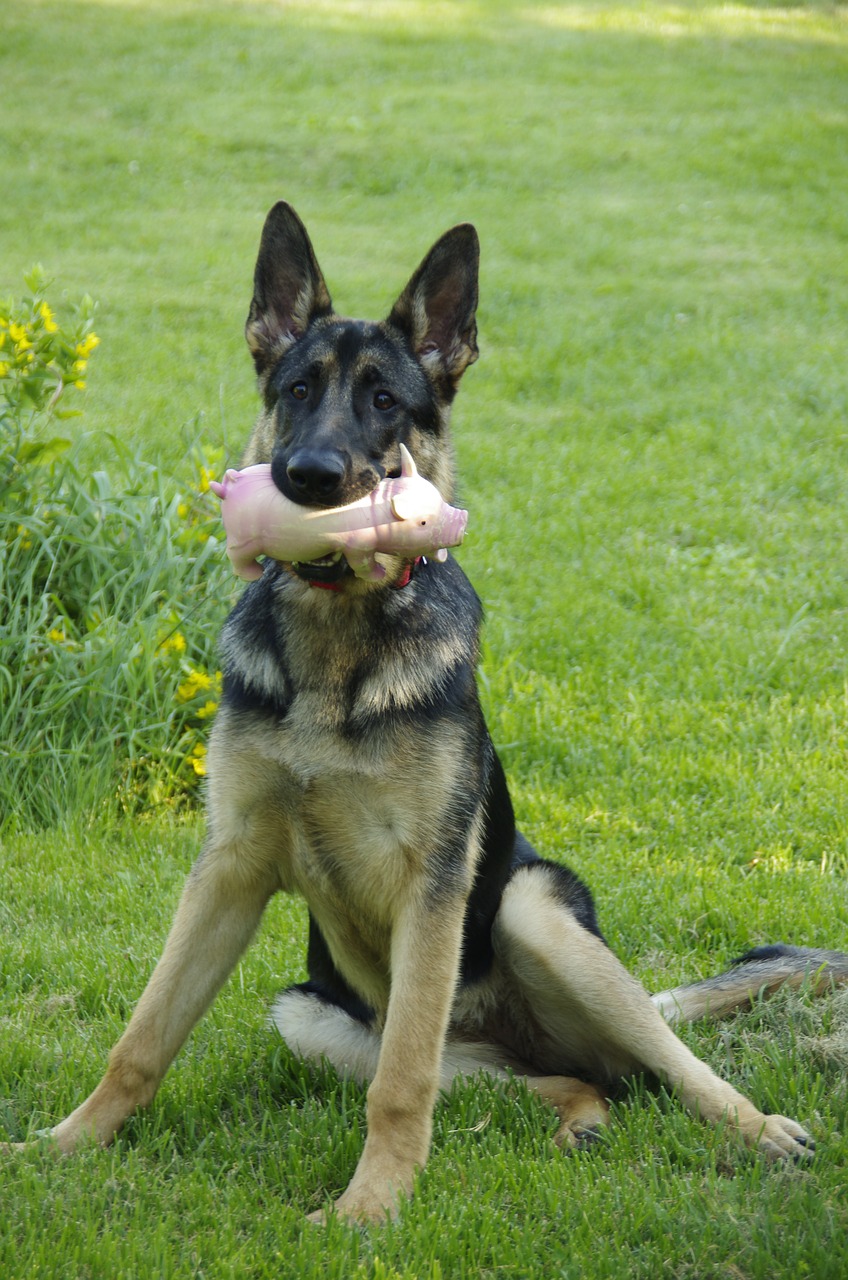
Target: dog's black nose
{"x":311,"y":476}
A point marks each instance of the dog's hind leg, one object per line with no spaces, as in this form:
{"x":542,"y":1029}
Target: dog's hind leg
{"x":587,"y":1014}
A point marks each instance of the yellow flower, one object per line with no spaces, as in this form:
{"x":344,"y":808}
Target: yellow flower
{"x":20,"y":336}
{"x":175,"y":643}
{"x":197,"y":682}
{"x":47,"y":316}
{"x":182,"y":510}
{"x":57,"y":635}
{"x":80,"y":384}
{"x":198,"y":759}
{"x":203,"y":483}
{"x":85,"y":348}
{"x":4,"y":369}
{"x":208,"y":709}
{"x":23,"y":534}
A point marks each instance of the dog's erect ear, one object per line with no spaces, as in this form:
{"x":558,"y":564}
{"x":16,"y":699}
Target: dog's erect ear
{"x":288,"y":288}
{"x":436,"y":310}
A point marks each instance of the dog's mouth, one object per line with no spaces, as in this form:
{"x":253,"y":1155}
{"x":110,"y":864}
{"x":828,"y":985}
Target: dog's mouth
{"x":326,"y":569}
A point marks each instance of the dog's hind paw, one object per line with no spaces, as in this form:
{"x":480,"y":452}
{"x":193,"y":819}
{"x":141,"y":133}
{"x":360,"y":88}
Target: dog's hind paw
{"x":576,"y":1137}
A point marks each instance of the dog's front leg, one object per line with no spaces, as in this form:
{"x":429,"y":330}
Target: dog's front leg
{"x":220,"y":908}
{"x":426,"y":944}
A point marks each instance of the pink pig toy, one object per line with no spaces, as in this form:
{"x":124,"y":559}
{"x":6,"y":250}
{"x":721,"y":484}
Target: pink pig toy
{"x":404,"y":516}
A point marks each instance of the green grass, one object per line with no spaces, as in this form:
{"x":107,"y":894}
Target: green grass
{"x":242,"y":1141}
{"x":653,"y":450}
{"x":112,"y":589}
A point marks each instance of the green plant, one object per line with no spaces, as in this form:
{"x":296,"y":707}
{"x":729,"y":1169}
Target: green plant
{"x":38,"y":359}
{"x":107,"y":691}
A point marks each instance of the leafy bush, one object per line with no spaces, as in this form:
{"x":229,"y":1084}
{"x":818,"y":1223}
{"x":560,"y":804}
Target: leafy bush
{"x":112,"y":585}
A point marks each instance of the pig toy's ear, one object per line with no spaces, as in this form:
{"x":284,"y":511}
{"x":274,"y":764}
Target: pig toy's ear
{"x":406,"y":505}
{"x":288,"y":288}
{"x":221,"y":487}
{"x":408,"y":469}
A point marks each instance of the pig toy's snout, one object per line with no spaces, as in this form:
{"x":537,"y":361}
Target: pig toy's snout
{"x":452,"y":527}
{"x":458,"y":523}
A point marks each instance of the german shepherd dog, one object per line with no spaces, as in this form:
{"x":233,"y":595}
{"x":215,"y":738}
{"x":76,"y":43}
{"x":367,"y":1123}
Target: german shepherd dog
{"x":350,"y":763}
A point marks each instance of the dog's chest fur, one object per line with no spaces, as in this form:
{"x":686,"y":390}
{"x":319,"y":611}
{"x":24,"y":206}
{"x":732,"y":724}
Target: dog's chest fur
{"x":334,"y":757}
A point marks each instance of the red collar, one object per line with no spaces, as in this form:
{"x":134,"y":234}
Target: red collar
{"x":408,"y":570}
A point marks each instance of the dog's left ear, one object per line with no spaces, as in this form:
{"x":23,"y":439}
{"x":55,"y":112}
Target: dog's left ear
{"x":437,"y":309}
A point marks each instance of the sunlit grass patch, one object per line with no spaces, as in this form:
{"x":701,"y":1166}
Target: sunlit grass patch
{"x":696,"y":20}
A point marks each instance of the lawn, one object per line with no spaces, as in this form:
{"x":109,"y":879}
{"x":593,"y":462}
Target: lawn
{"x":653,"y":450}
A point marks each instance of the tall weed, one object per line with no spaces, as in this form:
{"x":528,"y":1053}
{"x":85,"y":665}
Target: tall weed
{"x":112,"y":585}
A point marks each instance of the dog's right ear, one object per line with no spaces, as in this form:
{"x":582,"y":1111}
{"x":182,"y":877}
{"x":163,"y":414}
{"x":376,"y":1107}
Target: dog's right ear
{"x":288,"y":288}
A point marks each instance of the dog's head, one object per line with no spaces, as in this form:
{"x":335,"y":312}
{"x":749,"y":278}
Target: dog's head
{"x":340,"y":396}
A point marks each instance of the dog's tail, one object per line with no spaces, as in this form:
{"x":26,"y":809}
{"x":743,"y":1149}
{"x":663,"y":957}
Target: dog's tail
{"x":758,"y":972}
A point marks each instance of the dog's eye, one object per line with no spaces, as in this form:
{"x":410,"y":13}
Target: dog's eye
{"x":299,"y":390}
{"x":383,"y":401}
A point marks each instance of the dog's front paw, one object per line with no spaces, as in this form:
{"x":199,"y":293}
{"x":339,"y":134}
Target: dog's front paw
{"x":783,"y":1139}
{"x":40,"y":1140}
{"x":368,"y":1200}
{"x":360,"y":1210}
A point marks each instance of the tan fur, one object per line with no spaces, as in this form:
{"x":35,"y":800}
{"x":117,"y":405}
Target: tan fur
{"x":582,"y":1108}
{"x":424,"y":964}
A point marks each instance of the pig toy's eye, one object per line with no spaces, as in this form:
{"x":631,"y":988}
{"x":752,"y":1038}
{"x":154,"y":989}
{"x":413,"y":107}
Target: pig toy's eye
{"x":383,"y":401}
{"x":299,"y":390}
